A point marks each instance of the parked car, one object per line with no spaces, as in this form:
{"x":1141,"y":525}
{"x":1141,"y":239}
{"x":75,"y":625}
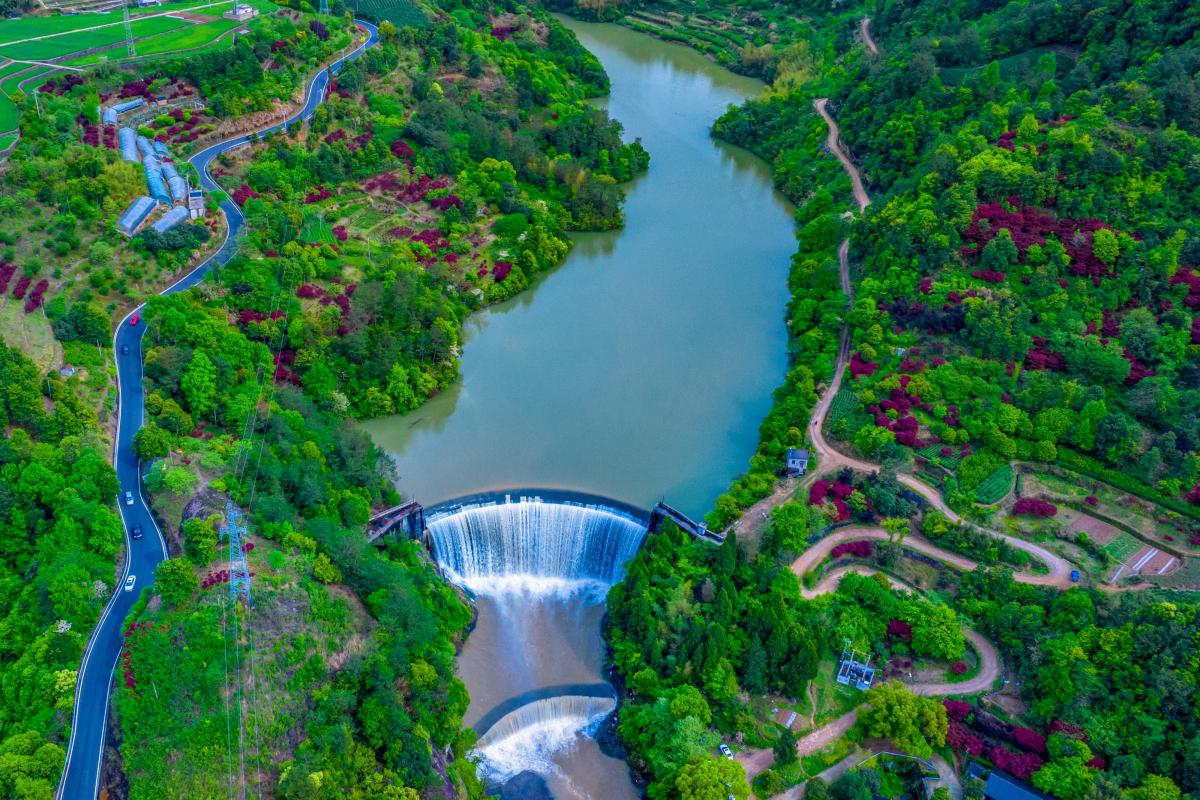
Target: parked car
{"x":124,"y":349}
{"x":136,"y":532}
{"x":129,"y":582}
{"x":129,"y":498}
{"x":1074,"y":576}
{"x":135,"y":319}
{"x":725,"y":751}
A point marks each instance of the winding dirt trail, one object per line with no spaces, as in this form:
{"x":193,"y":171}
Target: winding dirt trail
{"x":1059,"y":575}
{"x":834,"y":143}
{"x":864,"y":26}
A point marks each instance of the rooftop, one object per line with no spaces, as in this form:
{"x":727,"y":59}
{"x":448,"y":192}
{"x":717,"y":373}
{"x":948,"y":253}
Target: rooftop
{"x":1001,"y":786}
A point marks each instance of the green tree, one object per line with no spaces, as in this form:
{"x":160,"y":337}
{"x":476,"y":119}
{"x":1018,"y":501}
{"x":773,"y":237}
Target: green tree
{"x":199,"y":384}
{"x":785,"y":748}
{"x":199,"y":540}
{"x":152,"y":441}
{"x":325,"y":571}
{"x":1104,"y":246}
{"x":176,"y":581}
{"x":915,"y":724}
{"x":1155,"y":787}
{"x":816,"y":789}
{"x":712,"y":779}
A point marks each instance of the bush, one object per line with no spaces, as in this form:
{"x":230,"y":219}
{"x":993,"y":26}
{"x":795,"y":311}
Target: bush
{"x":1033,"y":507}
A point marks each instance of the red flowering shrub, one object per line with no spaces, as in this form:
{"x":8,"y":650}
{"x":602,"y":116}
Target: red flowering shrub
{"x":989,"y":275}
{"x":959,"y":668}
{"x":500,"y":270}
{"x":925,"y":286}
{"x":860,"y":367}
{"x":340,"y":233}
{"x":401,"y":149}
{"x":36,"y":298}
{"x":1030,"y":739}
{"x":960,"y":737}
{"x":319,"y":30}
{"x":307,"y":291}
{"x":1092,"y":500}
{"x":957,"y":709}
{"x":320,"y":194}
{"x":818,"y":491}
{"x":243,"y":193}
{"x":861,"y":549}
{"x":900,"y":629}
{"x":1097,"y":762}
{"x":1068,"y":729}
{"x":1030,"y":226}
{"x":1032,"y":507}
{"x":21,"y":287}
{"x":443,"y":203}
{"x":1022,"y":765}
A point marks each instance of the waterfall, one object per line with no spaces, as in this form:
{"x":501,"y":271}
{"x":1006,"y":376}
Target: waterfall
{"x":529,"y":737}
{"x":536,"y":547}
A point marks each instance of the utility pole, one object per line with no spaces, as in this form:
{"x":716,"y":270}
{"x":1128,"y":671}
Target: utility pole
{"x":128,"y":30}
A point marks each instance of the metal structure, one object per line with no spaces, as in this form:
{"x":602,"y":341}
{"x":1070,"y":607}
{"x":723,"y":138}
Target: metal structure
{"x":239,"y":572}
{"x":128,"y":30}
{"x":853,"y":670}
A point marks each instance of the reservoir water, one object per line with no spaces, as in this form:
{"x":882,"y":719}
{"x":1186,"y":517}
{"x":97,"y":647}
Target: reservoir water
{"x":638,"y":370}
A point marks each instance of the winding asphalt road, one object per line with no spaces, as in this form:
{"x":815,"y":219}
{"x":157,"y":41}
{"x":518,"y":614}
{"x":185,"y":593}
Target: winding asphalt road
{"x":81,"y":774}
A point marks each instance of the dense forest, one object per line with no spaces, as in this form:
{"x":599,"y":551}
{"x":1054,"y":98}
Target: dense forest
{"x":1023,"y":294}
{"x":442,"y":173}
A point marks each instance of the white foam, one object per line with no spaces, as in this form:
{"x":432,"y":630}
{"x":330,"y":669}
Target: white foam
{"x":532,"y":737}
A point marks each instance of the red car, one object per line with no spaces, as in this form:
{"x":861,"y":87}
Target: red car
{"x":135,"y":319}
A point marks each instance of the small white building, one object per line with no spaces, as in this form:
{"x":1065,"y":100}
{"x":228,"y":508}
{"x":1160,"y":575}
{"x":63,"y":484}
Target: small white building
{"x":241,"y":12}
{"x":196,"y":204}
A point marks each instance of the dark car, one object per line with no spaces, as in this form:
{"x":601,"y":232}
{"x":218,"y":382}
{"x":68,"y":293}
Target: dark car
{"x":136,"y":532}
{"x":124,"y":349}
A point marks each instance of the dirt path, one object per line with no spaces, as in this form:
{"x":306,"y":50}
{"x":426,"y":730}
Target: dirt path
{"x":1059,"y":576}
{"x":946,"y":774}
{"x":834,"y":143}
{"x":864,"y":25}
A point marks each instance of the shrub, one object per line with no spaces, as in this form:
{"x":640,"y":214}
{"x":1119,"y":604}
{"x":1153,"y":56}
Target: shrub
{"x":1030,"y":740}
{"x":959,"y":668}
{"x":1033,"y":507}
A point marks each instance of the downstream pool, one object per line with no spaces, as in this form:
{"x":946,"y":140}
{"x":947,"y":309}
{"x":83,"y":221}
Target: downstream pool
{"x":640,"y":368}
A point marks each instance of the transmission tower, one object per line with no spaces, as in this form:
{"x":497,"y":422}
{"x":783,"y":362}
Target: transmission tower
{"x":239,"y":572}
{"x":128,"y":29}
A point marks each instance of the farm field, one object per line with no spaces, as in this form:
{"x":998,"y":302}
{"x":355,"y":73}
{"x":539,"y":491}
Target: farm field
{"x":57,"y":46}
{"x":186,"y":38}
{"x":13,"y":30}
{"x":398,"y":12}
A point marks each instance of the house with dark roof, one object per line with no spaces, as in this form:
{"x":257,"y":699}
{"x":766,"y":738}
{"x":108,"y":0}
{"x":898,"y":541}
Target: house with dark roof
{"x":1002,"y":786}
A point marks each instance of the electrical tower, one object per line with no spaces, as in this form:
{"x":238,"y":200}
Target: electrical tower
{"x":239,"y":572}
{"x":128,"y":29}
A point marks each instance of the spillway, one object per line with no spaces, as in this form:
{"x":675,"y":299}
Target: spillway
{"x":528,"y":738}
{"x":532,"y":546}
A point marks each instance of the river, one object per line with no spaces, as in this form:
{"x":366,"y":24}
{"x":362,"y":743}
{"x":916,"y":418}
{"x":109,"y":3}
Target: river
{"x":638,"y":370}
{"x":641,"y":368}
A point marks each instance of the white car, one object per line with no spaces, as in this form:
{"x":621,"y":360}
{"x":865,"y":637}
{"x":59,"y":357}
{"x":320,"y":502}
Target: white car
{"x":129,"y":498}
{"x":129,"y":582}
{"x":725,"y":751}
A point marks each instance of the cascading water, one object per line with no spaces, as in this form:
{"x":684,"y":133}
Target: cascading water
{"x":539,"y":570}
{"x":531,"y":736}
{"x":534,"y":547}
